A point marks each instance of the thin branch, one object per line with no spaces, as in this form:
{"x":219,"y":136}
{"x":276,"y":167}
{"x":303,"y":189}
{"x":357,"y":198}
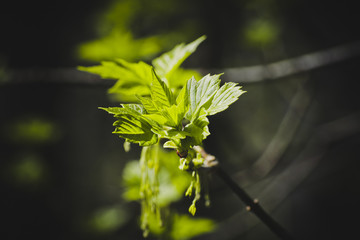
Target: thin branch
{"x":293,"y":66}
{"x":275,"y":189}
{"x":64,"y":76}
{"x":249,"y":74}
{"x":253,"y":206}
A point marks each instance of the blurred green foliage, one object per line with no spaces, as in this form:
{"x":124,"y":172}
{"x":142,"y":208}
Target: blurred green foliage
{"x":108,"y":219}
{"x":173,"y":184}
{"x":119,"y":44}
{"x":116,"y":37}
{"x":3,"y":74}
{"x":181,"y":227}
{"x":261,"y":33}
{"x":27,"y":170}
{"x":186,"y":227}
{"x":173,"y":181}
{"x":32,"y":130}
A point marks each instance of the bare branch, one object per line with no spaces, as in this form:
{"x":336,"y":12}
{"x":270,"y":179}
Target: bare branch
{"x":292,"y":66}
{"x":274,"y":189}
{"x":252,"y":205}
{"x":249,"y":74}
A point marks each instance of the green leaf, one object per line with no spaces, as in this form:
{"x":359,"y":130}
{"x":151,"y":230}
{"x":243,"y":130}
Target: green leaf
{"x":160,"y":93}
{"x":225,"y":96}
{"x":176,"y":134}
{"x":174,"y":115}
{"x":114,"y":110}
{"x":126,"y":92}
{"x":107,"y":69}
{"x":164,"y":125}
{"x":156,"y":121}
{"x":132,"y":125}
{"x":135,"y":130}
{"x":201,"y":93}
{"x":132,"y":74}
{"x":170,"y":144}
{"x":133,"y":78}
{"x":171,"y":60}
{"x":148,"y":104}
{"x":180,"y":76}
{"x":158,"y":118}
{"x":136,"y":109}
{"x":182,"y":100}
{"x":198,"y":128}
{"x":207,"y":87}
{"x":120,"y":69}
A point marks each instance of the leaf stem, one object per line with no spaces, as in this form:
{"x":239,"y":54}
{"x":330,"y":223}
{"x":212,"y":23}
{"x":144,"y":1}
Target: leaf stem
{"x":253,"y":205}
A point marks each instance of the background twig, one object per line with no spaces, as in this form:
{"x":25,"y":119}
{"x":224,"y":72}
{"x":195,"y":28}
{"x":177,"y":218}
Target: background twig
{"x":248,"y":74}
{"x":253,"y":206}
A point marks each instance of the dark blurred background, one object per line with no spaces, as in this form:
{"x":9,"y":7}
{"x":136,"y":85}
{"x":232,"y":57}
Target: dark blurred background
{"x":291,"y":140}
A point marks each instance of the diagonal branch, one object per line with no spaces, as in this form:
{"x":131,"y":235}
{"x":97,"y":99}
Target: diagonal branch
{"x":252,"y":205}
{"x":293,"y":66}
{"x":285,"y":183}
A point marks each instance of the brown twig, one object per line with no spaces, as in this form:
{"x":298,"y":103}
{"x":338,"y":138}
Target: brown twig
{"x":252,"y":205}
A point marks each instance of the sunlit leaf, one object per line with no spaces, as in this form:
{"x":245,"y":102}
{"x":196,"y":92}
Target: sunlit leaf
{"x":201,"y":93}
{"x":157,"y":117}
{"x":171,"y":113}
{"x":160,"y":93}
{"x":182,"y":100}
{"x":174,"y":115}
{"x":132,"y":75}
{"x":225,"y":96}
{"x":180,"y":76}
{"x":131,"y":125}
{"x":132,"y":78}
{"x":170,"y":61}
{"x":107,"y":69}
{"x":198,"y":128}
{"x":206,"y":88}
{"x":134,"y":108}
{"x":119,"y":44}
{"x":135,"y":130}
{"x":148,"y":104}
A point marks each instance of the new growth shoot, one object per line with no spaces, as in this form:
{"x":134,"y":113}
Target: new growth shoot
{"x":170,"y":105}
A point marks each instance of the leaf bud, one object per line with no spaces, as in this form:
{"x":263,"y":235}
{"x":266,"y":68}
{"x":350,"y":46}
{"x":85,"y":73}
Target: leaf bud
{"x":182,"y":154}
